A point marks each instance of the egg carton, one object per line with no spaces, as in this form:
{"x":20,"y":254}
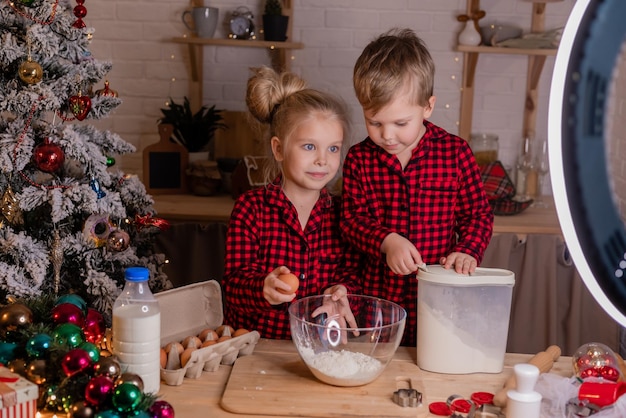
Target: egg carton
{"x":188,"y":310}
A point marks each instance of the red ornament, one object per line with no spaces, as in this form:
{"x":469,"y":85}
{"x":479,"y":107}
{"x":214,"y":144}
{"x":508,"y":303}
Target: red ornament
{"x":68,"y":312}
{"x":76,"y":360}
{"x":80,"y":11}
{"x":48,"y":157}
{"x":94,"y":327}
{"x":80,"y":106}
{"x":609,"y":373}
{"x":99,"y":390}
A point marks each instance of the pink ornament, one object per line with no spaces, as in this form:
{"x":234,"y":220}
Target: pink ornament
{"x":99,"y":390}
{"x":68,"y":312}
{"x":161,"y":409}
{"x":94,"y":326}
{"x":76,"y":360}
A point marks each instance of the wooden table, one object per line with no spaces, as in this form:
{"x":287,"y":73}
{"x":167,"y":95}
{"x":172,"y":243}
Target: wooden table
{"x":203,"y":209}
{"x":202,"y":396}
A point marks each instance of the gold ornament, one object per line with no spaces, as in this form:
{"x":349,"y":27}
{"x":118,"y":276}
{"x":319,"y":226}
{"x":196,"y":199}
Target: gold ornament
{"x":30,"y":72}
{"x":10,"y":208}
{"x":106,"y":91}
{"x":15,"y":315}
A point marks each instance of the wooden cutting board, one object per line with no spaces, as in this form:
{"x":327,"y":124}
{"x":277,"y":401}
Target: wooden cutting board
{"x":274,"y":385}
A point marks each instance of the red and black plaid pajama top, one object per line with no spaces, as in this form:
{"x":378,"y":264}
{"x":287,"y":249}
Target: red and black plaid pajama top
{"x":264,"y":233}
{"x":437,"y":202}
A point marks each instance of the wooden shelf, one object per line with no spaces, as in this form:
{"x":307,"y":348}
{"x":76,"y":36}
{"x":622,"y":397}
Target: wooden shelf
{"x":481,"y":49}
{"x":536,"y":61}
{"x":280,"y":54}
{"x":238,"y":43}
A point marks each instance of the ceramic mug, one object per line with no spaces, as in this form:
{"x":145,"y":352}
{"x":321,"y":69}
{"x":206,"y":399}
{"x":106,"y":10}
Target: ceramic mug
{"x":204,"y":20}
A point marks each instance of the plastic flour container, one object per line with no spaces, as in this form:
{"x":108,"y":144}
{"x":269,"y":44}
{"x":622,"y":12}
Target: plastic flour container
{"x":463,"y":320}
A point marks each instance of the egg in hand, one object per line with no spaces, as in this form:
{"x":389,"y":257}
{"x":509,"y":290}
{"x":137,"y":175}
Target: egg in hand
{"x":291,"y":280}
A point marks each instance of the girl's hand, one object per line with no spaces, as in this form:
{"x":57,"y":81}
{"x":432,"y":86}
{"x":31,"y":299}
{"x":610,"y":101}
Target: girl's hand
{"x":463,"y":263}
{"x":273,"y":296}
{"x":337,"y":307}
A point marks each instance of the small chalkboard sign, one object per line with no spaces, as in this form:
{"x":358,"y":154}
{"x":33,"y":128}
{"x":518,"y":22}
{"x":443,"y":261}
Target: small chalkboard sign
{"x":164,"y":165}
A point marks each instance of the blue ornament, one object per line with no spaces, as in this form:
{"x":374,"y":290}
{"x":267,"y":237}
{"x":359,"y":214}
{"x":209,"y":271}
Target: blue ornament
{"x":74,"y":299}
{"x":37,"y":346}
{"x":95,"y":185}
{"x":7,"y":351}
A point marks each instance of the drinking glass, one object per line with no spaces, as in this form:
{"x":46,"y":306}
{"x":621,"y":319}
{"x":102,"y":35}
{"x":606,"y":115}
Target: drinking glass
{"x":540,"y":163}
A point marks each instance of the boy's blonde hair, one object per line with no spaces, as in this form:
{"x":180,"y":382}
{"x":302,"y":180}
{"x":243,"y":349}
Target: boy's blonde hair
{"x":282,"y":101}
{"x":395,"y":62}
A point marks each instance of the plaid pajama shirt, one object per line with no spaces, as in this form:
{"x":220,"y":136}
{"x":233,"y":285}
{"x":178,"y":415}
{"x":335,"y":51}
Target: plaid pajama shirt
{"x":264,"y":233}
{"x":437,"y":202}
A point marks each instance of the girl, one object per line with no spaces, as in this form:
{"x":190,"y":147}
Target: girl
{"x":291,"y":224}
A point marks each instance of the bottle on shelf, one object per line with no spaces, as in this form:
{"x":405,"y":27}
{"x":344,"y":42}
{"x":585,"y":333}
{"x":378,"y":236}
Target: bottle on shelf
{"x":137,"y":329}
{"x":525,"y":174}
{"x":484,"y":147}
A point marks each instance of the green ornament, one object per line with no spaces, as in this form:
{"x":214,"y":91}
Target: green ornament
{"x":126,"y":397}
{"x":92,"y":350}
{"x":74,"y":300}
{"x":68,"y":334}
{"x":142,"y":414}
{"x":37,"y":346}
{"x":110,"y":161}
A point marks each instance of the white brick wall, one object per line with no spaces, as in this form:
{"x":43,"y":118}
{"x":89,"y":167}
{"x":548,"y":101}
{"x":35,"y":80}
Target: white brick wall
{"x":134,"y":36}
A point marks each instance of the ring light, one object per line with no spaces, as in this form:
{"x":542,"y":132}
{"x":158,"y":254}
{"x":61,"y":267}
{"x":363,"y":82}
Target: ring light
{"x":591,"y":44}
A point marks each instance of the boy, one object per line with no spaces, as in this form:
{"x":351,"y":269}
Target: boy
{"x":412,"y":192}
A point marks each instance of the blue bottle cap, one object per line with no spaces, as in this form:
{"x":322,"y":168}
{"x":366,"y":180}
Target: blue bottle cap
{"x":136,"y":274}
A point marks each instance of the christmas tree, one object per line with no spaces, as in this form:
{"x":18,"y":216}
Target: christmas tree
{"x":70,"y":222}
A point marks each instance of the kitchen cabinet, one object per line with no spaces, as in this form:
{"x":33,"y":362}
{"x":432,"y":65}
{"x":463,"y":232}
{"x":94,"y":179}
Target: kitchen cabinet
{"x":536,"y":61}
{"x":280,"y":54}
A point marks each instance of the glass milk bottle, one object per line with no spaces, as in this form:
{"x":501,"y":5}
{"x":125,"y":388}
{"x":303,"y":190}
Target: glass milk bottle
{"x":524,"y":171}
{"x":137,"y":329}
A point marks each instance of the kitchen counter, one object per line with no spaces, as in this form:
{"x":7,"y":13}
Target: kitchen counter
{"x":202,"y":396}
{"x":205,"y":209}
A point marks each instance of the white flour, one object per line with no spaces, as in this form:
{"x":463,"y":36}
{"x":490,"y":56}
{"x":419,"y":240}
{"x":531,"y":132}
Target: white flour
{"x":342,"y":368}
{"x":443,"y":347}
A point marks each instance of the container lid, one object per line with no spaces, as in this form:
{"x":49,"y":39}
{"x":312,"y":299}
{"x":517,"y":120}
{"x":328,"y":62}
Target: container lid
{"x":136,"y":274}
{"x":482,"y":276}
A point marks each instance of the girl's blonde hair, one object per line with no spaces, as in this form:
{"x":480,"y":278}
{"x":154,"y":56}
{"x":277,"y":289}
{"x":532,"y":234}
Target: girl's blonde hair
{"x":280,"y":101}
{"x":395,"y":62}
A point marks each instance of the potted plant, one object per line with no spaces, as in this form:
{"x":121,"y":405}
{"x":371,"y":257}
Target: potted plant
{"x":194,"y":131}
{"x":274,"y":23}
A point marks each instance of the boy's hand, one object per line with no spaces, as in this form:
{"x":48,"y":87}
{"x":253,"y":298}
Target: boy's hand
{"x":273,"y":296}
{"x":402,"y":256}
{"x":463,"y":263}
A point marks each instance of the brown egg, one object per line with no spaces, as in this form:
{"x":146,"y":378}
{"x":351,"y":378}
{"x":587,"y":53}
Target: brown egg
{"x":208,"y":343}
{"x":225,"y":330}
{"x":240,"y":331}
{"x":224,"y":338}
{"x":291,"y":280}
{"x":186,"y":356}
{"x":208,"y":334}
{"x":163,"y":360}
{"x":192,"y":342}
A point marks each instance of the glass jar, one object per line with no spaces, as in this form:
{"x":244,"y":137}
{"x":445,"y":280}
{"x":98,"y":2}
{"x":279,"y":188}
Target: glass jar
{"x":484,"y":147}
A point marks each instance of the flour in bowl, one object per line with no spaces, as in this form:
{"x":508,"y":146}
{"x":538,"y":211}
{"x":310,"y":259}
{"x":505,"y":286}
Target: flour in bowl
{"x":342,"y":368}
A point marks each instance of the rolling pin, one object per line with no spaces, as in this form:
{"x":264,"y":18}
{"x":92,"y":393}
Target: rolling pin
{"x":544,"y":360}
